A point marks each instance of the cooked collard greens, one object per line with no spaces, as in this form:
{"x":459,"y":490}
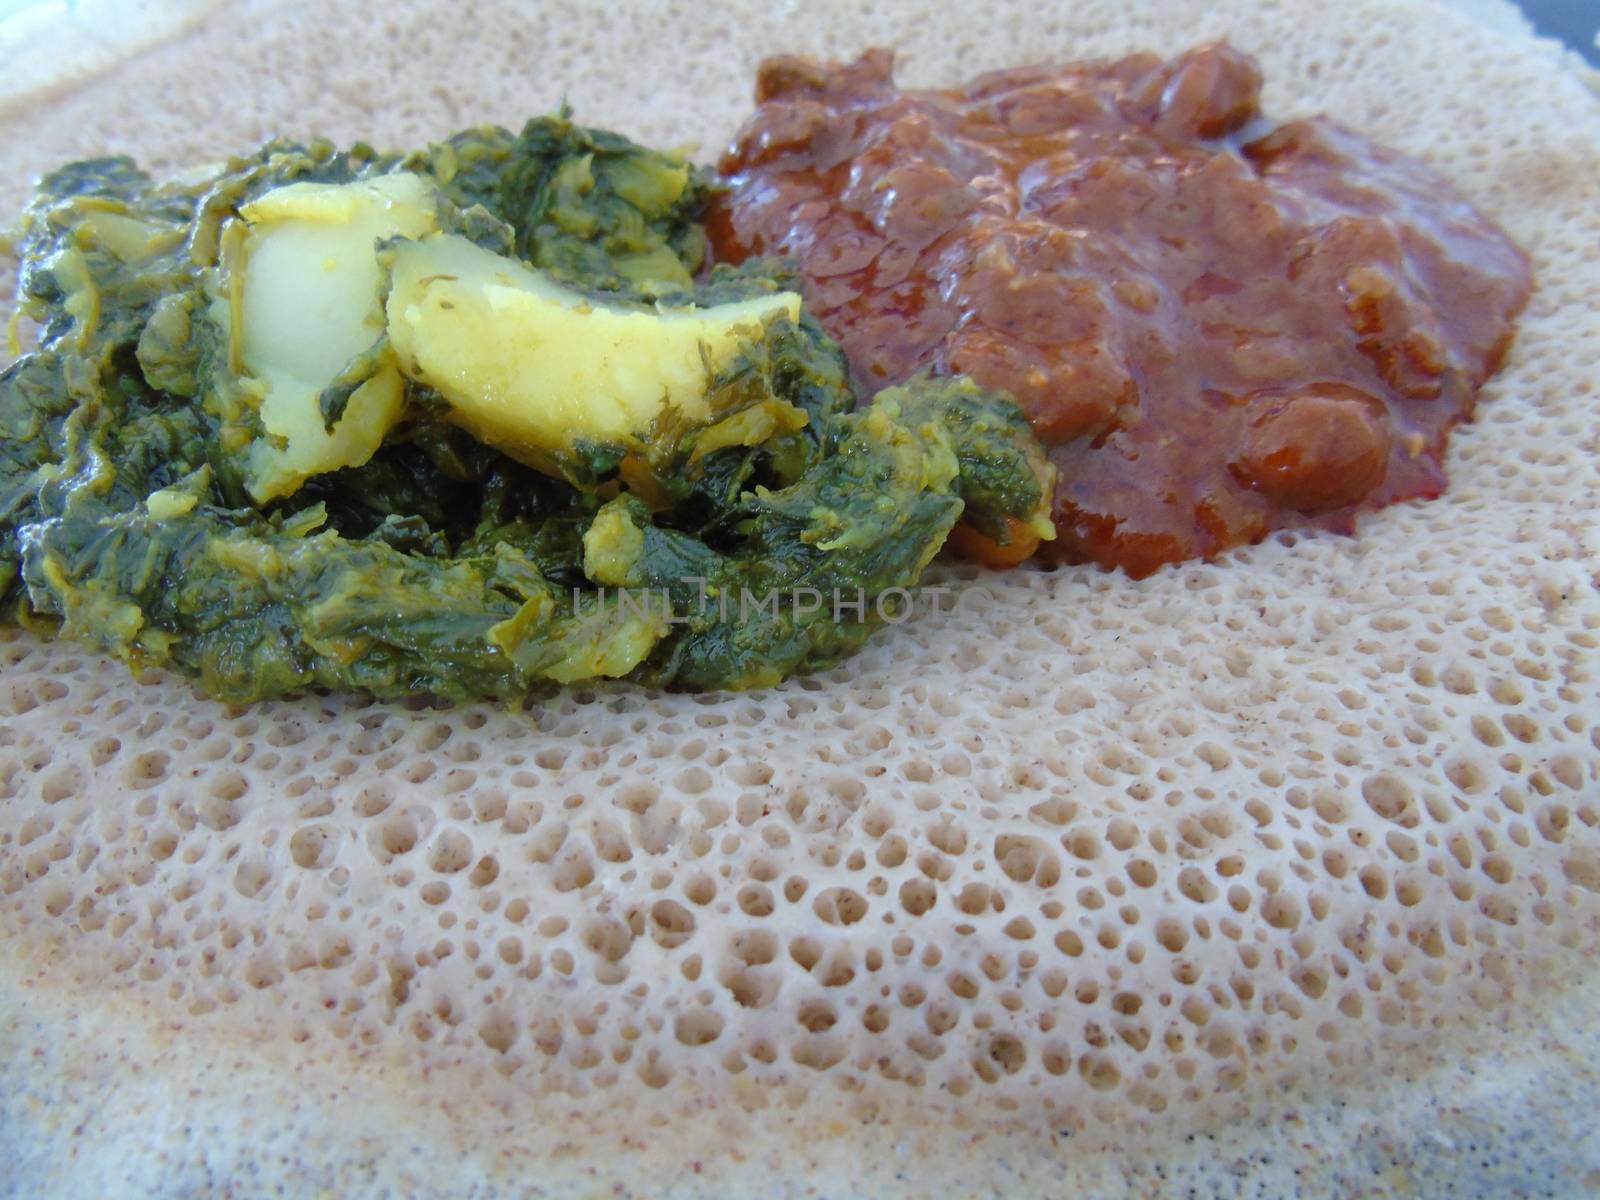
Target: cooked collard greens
{"x":467,"y":422}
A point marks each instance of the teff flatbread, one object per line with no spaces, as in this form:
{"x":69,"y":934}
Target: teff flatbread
{"x":1083,"y":853}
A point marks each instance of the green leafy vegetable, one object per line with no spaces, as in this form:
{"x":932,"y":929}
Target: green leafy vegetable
{"x":726,"y":542}
{"x":588,"y":206}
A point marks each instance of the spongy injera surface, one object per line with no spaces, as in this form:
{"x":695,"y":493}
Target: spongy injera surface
{"x":1086,"y":866}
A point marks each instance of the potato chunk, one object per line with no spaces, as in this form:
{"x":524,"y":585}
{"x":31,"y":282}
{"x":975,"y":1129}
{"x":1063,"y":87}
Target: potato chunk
{"x":307,"y":313}
{"x":535,"y":368}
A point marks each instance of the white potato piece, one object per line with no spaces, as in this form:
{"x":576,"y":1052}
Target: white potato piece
{"x":306,"y":293}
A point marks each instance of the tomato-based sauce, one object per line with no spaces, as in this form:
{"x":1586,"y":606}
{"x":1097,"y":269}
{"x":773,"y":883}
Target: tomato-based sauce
{"x":1220,"y":326}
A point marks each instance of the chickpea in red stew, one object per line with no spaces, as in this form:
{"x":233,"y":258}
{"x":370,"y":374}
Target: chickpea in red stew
{"x":1221,"y":326}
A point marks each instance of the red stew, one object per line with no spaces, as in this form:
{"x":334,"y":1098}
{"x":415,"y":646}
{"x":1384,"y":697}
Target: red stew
{"x":1220,"y":326}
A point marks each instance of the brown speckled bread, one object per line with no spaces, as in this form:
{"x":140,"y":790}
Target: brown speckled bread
{"x":1298,"y":852}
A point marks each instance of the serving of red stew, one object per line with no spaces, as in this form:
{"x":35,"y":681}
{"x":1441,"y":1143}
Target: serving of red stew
{"x":1220,"y":325}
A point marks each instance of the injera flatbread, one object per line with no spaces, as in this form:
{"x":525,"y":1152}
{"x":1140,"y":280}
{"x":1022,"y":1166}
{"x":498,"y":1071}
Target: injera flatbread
{"x":1273,"y":876}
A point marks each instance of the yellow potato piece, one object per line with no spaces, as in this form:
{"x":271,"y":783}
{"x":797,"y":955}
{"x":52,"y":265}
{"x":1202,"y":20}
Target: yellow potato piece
{"x":532,"y":367}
